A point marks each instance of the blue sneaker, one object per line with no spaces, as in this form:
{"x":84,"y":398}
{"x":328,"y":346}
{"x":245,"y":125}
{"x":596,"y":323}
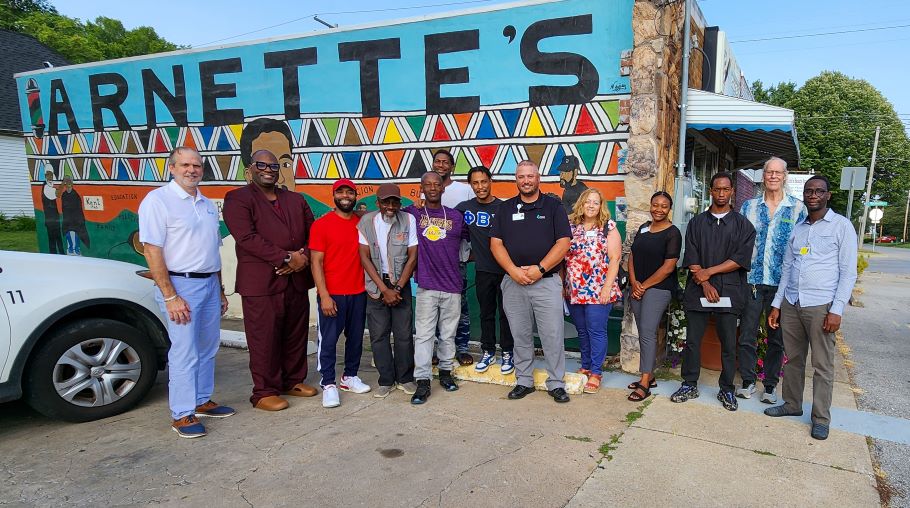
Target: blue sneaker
{"x":485,"y":361}
{"x":728,"y":400}
{"x":188,"y":427}
{"x":685,"y":393}
{"x":213,"y":410}
{"x":507,"y":364}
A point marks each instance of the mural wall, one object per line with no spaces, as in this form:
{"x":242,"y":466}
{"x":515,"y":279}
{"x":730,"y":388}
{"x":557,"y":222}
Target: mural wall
{"x":543,"y":81}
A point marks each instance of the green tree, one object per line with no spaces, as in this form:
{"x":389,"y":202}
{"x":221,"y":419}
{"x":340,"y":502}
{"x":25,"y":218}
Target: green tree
{"x":78,"y":41}
{"x":836,"y":118}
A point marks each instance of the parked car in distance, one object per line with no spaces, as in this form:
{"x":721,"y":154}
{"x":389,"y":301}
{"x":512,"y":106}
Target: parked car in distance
{"x":80,"y":338}
{"x":887,"y":239}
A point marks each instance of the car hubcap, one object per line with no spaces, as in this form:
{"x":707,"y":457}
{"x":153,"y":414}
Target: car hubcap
{"x":97,"y":372}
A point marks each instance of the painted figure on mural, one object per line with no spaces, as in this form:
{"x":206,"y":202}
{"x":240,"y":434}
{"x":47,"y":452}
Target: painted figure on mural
{"x":274,"y":136}
{"x":568,"y":180}
{"x":51,"y":214}
{"x":73,"y":218}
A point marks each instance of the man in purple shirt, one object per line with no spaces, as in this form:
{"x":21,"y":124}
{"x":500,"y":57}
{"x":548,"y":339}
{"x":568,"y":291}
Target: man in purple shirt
{"x":440,"y":230}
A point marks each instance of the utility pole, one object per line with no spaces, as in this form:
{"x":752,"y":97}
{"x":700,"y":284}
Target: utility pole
{"x":906,"y":209}
{"x":862,"y":220}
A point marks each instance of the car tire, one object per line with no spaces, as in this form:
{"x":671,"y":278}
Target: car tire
{"x":90,"y":369}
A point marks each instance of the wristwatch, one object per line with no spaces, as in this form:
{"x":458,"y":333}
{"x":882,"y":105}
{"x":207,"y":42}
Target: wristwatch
{"x":543,"y":271}
{"x":396,"y":287}
{"x":288,"y":259}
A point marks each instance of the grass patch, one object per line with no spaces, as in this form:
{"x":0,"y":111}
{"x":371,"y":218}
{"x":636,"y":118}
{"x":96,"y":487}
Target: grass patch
{"x":633,"y":416}
{"x":610,"y":446}
{"x":763,"y":452}
{"x":583,"y":439}
{"x":23,"y":241}
{"x":18,"y":223}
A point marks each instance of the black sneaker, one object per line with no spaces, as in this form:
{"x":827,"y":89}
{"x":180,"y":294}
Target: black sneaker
{"x":728,"y":400}
{"x":447,"y":381}
{"x":423,"y":392}
{"x":559,"y":395}
{"x":819,"y":431}
{"x":685,"y":393}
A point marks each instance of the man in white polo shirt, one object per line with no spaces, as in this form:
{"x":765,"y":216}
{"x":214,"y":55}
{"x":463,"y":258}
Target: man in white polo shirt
{"x":179,"y":229}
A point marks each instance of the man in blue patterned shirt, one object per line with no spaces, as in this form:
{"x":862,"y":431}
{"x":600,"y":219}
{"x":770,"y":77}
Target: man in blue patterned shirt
{"x":774,"y":214}
{"x":816,"y":282}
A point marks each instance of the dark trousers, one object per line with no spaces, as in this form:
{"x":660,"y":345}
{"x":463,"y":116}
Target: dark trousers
{"x":395,"y":362}
{"x":54,"y":238}
{"x":349,"y":319}
{"x":489,"y":299}
{"x":725,"y":323}
{"x":463,"y":332}
{"x":758,"y":304}
{"x":276,"y":334}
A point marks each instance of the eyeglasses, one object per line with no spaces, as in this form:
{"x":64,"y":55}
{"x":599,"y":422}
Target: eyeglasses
{"x":815,"y":192}
{"x":775,"y":173}
{"x":262,"y":166}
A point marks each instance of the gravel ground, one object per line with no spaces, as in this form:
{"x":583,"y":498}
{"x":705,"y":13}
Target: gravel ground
{"x":879,"y":337}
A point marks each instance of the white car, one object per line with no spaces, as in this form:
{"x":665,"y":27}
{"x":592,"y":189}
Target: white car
{"x":80,"y":338}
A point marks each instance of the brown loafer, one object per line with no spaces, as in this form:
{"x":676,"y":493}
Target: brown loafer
{"x":271,"y":403}
{"x":302,"y":390}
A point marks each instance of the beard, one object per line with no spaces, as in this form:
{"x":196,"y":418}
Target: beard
{"x":346,"y":208}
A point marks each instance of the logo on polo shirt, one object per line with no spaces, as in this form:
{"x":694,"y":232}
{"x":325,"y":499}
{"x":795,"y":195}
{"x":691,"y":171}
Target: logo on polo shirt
{"x":541,"y":216}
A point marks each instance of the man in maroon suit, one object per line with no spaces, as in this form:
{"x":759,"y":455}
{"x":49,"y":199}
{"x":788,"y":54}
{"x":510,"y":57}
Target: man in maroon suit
{"x":271,"y":227}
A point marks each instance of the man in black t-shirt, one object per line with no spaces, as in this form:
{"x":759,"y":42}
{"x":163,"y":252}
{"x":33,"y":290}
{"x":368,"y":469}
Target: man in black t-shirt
{"x":529,"y":240}
{"x":478,"y":215}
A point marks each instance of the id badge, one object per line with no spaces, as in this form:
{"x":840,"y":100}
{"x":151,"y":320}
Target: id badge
{"x":518,"y":216}
{"x":590,"y":234}
{"x":803,"y":251}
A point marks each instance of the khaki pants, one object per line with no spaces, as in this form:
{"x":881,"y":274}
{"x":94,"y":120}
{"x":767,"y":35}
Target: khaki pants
{"x":802,"y":329}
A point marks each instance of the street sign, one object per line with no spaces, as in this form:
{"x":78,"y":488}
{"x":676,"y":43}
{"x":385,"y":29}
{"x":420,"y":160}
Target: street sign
{"x":876,"y":203}
{"x":875,"y":215}
{"x":855,"y":175}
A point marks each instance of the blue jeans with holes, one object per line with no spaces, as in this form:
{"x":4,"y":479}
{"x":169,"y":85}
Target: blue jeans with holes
{"x":591,"y":322}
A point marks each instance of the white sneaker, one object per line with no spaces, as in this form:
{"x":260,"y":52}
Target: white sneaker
{"x":769,"y":398}
{"x":330,"y":396}
{"x":746,"y":393}
{"x":353,"y":384}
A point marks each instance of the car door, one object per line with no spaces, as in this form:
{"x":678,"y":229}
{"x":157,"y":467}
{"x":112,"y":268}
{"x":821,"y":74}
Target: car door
{"x":4,"y":332}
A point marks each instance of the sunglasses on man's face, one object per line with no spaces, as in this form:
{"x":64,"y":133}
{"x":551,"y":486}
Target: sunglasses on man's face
{"x":262,"y":166}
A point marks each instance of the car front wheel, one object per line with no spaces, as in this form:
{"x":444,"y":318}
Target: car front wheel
{"x":90,"y":369}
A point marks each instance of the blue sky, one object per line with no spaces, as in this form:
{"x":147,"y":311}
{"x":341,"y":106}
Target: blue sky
{"x":878,"y":56}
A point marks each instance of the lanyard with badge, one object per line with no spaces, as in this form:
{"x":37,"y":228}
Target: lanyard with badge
{"x":518,"y":215}
{"x":433,"y":232}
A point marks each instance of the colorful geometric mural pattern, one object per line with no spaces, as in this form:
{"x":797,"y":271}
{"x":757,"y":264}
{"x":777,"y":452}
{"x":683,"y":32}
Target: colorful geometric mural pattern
{"x":397,"y":145}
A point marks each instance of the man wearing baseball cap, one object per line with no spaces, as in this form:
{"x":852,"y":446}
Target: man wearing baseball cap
{"x":568,"y":180}
{"x":341,"y":296}
{"x":388,"y":252}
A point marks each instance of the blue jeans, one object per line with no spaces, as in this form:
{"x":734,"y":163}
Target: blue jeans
{"x":191,"y":358}
{"x":591,"y":322}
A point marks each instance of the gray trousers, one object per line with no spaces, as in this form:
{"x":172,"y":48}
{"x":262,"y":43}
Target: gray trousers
{"x":803,"y":329}
{"x":434,"y":310}
{"x":648,"y":312}
{"x":540,"y":302}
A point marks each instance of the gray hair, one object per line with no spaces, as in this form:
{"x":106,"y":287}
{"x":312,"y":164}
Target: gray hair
{"x":527,"y":162}
{"x":774,"y":159}
{"x":172,"y":157}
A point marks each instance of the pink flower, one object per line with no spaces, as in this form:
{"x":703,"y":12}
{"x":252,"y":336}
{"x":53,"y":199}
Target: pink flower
{"x":761,"y":362}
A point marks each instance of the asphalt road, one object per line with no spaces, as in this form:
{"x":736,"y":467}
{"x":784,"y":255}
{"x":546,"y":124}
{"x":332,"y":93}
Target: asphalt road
{"x":879,"y":337}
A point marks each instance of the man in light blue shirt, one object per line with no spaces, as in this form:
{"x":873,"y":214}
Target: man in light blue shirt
{"x":774,"y":215}
{"x":816,"y":282}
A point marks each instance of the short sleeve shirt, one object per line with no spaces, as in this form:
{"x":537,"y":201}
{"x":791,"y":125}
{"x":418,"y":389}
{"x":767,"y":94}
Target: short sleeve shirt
{"x":439,"y":235}
{"x":382,"y":234}
{"x":587,"y":263}
{"x":529,"y":230}
{"x":185,"y":227}
{"x":479,"y":218}
{"x":336,"y":238}
{"x":650,"y":250}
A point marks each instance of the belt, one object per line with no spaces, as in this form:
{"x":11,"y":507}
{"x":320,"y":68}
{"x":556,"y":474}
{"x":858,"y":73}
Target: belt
{"x":191,"y":275}
{"x":548,"y":274}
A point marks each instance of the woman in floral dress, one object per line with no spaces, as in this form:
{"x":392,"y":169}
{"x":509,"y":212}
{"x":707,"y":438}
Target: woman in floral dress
{"x":590,"y":280}
{"x":652,"y":278}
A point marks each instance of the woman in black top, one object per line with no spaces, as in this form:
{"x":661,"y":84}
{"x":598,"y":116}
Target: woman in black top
{"x":652,"y":279}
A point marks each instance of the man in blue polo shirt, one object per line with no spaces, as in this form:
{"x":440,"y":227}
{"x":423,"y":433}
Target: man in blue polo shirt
{"x":529,"y":240}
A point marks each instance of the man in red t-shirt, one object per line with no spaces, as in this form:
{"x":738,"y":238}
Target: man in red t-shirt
{"x":341,"y":295}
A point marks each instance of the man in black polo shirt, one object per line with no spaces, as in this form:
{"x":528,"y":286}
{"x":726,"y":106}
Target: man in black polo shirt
{"x":529,"y":240}
{"x":718,"y":254}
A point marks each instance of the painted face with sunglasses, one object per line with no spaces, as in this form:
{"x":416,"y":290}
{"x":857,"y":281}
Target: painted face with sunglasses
{"x":264,"y":170}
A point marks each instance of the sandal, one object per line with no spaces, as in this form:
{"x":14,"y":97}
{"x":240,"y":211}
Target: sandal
{"x":635,"y":396}
{"x":652,"y":384}
{"x":585,"y":372}
{"x":593,"y":383}
{"x":465,"y":359}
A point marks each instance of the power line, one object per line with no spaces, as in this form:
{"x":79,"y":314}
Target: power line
{"x":820,"y":34}
{"x":364,"y":11}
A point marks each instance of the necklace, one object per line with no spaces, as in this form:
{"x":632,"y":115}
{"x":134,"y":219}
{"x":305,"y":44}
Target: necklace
{"x":433,"y":232}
